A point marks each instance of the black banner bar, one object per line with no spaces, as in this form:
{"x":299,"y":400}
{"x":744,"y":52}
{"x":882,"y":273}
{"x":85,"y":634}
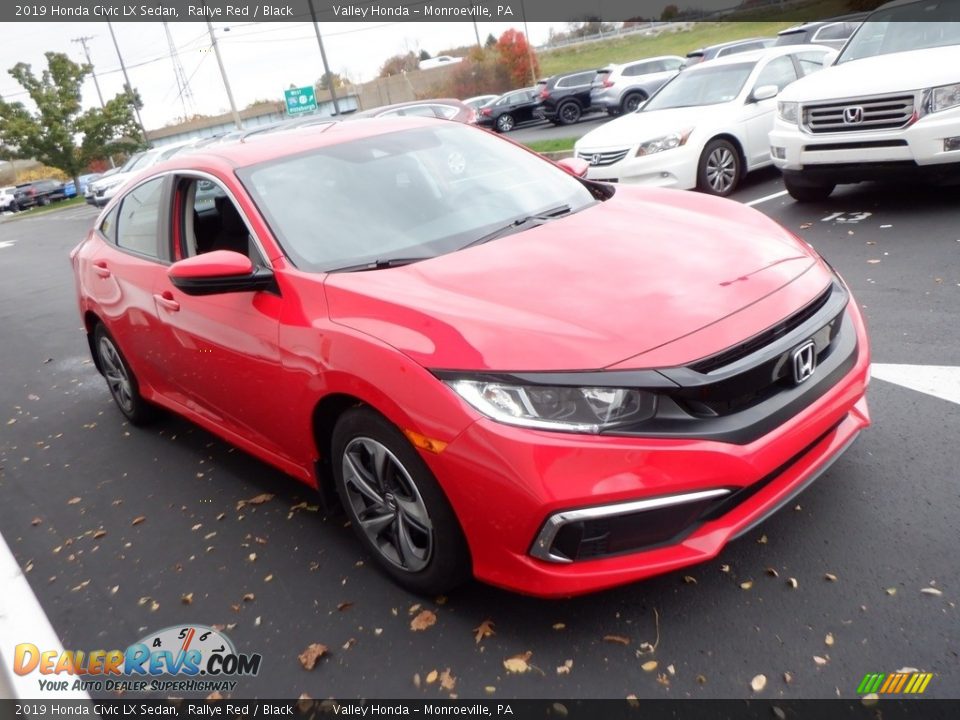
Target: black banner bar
{"x":870,"y":709}
{"x":441,"y":10}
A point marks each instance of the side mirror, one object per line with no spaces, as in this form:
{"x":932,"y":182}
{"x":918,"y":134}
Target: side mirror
{"x":575,"y":166}
{"x":220,"y":271}
{"x":765,"y":92}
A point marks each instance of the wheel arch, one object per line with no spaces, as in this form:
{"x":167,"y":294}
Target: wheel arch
{"x":735,"y":141}
{"x":90,"y":322}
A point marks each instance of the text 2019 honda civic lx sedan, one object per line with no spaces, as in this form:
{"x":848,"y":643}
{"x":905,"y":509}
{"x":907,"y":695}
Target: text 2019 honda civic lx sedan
{"x":500,"y":368}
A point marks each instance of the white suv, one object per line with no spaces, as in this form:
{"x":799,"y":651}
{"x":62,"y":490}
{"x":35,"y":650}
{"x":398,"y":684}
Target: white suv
{"x":888,"y":108}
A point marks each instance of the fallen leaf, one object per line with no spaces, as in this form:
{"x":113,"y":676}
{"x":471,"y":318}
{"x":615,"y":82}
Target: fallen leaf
{"x":252,"y":557}
{"x":559,"y":626}
{"x":483,"y":630}
{"x":518,"y":663}
{"x":99,"y":534}
{"x":187,"y":598}
{"x":873,"y":261}
{"x":787,"y":678}
{"x":804,"y":226}
{"x":828,"y":640}
{"x":931,"y":591}
{"x":689,"y":579}
{"x":891,"y":591}
{"x":772,"y":572}
{"x":447,"y":680}
{"x":81,"y":586}
{"x":73,"y":501}
{"x":413,"y":609}
{"x":196,"y":527}
{"x":249,"y":597}
{"x":257,"y":500}
{"x":432,"y":677}
{"x":762,"y":541}
{"x":425,"y":619}
{"x":746,"y":585}
{"x":662,"y":679}
{"x":725,"y":568}
{"x":701,"y":679}
{"x":144,"y":600}
{"x":830,"y":576}
{"x":820,"y":660}
{"x":565,"y":668}
{"x":113,"y":590}
{"x":154,"y":606}
{"x":489,"y":689}
{"x":308,"y":658}
{"x":36,"y":521}
{"x":138,"y":519}
{"x":559,"y":709}
{"x":346,"y":605}
{"x":778,"y":713}
{"x":792,"y":582}
{"x":416,"y":680}
{"x":758,"y":683}
{"x":618,"y":639}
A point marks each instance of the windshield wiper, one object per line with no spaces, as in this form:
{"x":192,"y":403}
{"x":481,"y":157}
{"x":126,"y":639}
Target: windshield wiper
{"x":518,"y":223}
{"x":379,"y":264}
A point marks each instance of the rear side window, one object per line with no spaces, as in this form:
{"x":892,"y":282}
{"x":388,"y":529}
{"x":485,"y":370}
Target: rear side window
{"x":810,"y":62}
{"x":139,"y":218}
{"x":577,"y":80}
{"x":835,"y":31}
{"x":109,"y":226}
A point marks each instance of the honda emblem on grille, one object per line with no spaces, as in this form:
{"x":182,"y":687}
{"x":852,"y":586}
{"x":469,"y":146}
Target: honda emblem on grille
{"x":595,"y":160}
{"x":853,"y":115}
{"x":804,"y":362}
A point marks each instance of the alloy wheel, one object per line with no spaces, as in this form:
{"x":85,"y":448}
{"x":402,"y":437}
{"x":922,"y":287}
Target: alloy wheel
{"x":117,"y":375}
{"x":721,"y":170}
{"x":505,"y":123}
{"x":387,"y":505}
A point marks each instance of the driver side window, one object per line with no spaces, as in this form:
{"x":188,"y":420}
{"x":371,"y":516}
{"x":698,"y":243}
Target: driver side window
{"x":209,"y":220}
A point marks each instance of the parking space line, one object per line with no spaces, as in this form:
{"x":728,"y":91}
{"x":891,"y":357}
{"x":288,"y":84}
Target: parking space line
{"x":23,"y":620}
{"x":765,"y":198}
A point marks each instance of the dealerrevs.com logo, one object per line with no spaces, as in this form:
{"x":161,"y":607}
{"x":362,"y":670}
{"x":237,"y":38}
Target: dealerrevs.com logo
{"x":191,"y":658}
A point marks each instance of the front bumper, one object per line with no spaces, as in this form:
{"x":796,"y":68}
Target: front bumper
{"x":505,"y":483}
{"x":676,"y":168}
{"x":853,"y":156}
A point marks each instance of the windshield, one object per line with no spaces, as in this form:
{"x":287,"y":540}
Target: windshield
{"x":888,"y":31}
{"x":131,"y":161}
{"x":413,"y":193}
{"x":139,"y":163}
{"x":702,"y":86}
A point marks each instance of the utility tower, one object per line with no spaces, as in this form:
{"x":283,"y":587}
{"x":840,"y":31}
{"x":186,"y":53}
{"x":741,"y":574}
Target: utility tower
{"x":183,"y":85}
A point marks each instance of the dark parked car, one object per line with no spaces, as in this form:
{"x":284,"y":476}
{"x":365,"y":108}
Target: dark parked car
{"x":832,"y":33}
{"x":729,"y":48}
{"x":565,"y":98}
{"x":444,"y":108}
{"x":39,"y":192}
{"x":509,"y":110}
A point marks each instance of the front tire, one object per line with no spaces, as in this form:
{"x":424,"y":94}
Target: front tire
{"x":505,"y":123}
{"x":631,"y":102}
{"x":569,"y":113}
{"x":120,"y":379}
{"x":396,"y":506}
{"x":807,"y":192}
{"x":720,"y":169}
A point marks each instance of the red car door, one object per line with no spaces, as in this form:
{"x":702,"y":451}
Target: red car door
{"x":222,"y":349}
{"x":119,"y":274}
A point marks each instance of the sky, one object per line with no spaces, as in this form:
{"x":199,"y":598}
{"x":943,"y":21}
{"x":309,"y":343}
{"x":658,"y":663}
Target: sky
{"x":261,"y":59}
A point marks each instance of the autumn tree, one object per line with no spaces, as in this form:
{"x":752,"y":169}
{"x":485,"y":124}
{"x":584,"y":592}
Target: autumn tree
{"x":517,"y":57}
{"x":325,"y":81}
{"x":59,"y":132}
{"x":490,"y":42}
{"x":399,"y":64}
{"x":669,"y":13}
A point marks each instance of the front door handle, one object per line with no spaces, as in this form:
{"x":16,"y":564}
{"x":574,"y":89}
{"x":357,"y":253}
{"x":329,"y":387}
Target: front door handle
{"x":166,"y":300}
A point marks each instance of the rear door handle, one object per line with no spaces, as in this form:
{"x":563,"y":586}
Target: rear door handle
{"x":100,"y":268}
{"x":166,"y":300}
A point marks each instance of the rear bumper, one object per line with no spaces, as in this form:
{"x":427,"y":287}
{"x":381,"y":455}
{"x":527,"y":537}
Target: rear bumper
{"x":505,"y":484}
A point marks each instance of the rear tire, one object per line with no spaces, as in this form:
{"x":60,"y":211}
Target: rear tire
{"x":44,"y":201}
{"x":396,"y":506}
{"x":632,"y":101}
{"x":505,"y":123}
{"x":720,"y":168}
{"x":120,"y":379}
{"x":805,"y":192}
{"x":569,"y":113}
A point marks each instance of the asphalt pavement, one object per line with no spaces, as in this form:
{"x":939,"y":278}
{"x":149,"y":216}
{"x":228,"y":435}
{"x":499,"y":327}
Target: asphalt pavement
{"x":868,"y":545}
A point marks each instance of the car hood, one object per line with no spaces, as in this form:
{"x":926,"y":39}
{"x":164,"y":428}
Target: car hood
{"x":878,"y":75}
{"x":634,"y":128}
{"x":115,"y":179}
{"x":582,"y":292}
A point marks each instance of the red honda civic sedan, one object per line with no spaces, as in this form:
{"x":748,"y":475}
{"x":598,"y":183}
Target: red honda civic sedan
{"x":500,"y":369}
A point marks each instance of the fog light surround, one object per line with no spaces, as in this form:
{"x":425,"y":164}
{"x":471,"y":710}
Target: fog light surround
{"x":951,"y":144}
{"x":605,"y":530}
{"x":778,"y":153}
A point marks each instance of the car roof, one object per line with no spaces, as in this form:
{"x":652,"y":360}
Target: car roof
{"x":757,"y":55}
{"x":256,"y":148}
{"x":615,"y":66}
{"x":814,"y":24}
{"x":412,"y":103}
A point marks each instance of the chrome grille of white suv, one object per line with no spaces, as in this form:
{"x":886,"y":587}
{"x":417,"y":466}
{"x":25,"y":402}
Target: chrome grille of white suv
{"x":874,"y":113}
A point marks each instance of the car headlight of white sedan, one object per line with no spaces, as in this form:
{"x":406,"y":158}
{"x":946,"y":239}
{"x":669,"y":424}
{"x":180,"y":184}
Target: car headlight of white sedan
{"x":666,"y":142}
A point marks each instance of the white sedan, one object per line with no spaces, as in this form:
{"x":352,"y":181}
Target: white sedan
{"x":704,"y":129}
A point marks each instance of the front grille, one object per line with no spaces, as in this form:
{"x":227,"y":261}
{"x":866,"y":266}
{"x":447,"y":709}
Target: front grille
{"x":602,"y":159}
{"x":765,"y":338}
{"x":875,"y":113}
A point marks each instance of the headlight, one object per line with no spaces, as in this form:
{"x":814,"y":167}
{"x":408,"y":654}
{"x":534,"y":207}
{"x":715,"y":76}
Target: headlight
{"x":667,"y":142}
{"x":789,"y":112}
{"x":573,"y":409}
{"x":941,"y":98}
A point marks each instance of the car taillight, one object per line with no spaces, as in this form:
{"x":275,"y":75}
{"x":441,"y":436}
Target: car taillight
{"x":544,"y":94}
{"x":608,"y":83}
{"x":472,"y":117}
{"x":486,"y":112}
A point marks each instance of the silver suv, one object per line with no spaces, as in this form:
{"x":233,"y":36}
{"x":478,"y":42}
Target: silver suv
{"x":623,"y":88}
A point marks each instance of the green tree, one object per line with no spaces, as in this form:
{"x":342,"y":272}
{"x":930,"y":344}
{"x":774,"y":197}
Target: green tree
{"x":322,"y":85}
{"x":669,"y":13}
{"x":60,"y":133}
{"x":490,"y":42}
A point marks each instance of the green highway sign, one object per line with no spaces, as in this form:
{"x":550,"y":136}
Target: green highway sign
{"x":300,"y":100}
